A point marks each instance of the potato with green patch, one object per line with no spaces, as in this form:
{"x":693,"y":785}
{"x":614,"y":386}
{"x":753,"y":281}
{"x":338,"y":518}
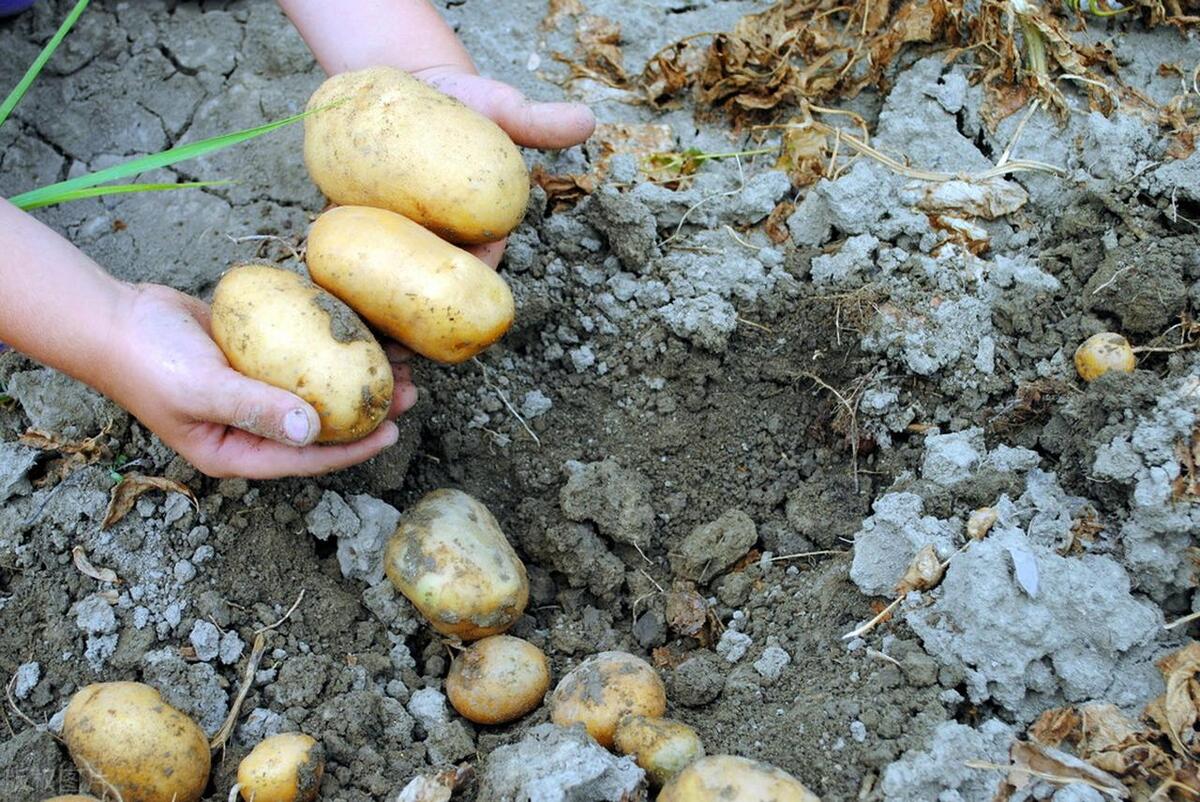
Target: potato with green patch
{"x":437,"y":299}
{"x":385,"y":139}
{"x":734,"y":779}
{"x":282,"y":329}
{"x":124,"y":737}
{"x":498,"y":679}
{"x":283,"y":768}
{"x":661,"y":746}
{"x":605,"y":688}
{"x":449,"y":557}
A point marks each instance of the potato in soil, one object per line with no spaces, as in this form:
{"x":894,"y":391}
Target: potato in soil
{"x":605,"y":688}
{"x":498,"y":679}
{"x":734,"y":779}
{"x":437,"y":299}
{"x":123,"y":736}
{"x":283,"y":768}
{"x":661,"y":746}
{"x":282,"y":329}
{"x":449,"y":557}
{"x":1107,"y":352}
{"x":387,"y":140}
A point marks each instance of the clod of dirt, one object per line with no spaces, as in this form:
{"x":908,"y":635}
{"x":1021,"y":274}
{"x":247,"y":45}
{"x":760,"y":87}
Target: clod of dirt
{"x":362,"y":528}
{"x":30,"y":763}
{"x":15,"y":462}
{"x":578,"y":553}
{"x":556,"y":764}
{"x":890,"y":539}
{"x":941,"y":771}
{"x":627,"y":224}
{"x":713,"y":547}
{"x":447,"y":741}
{"x":58,"y":404}
{"x":615,"y":498}
{"x":194,"y":688}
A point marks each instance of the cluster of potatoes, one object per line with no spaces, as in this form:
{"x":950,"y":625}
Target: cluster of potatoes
{"x":378,"y":144}
{"x":131,"y":745}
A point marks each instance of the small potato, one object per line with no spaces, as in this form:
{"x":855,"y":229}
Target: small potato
{"x":435,"y":298}
{"x":394,"y":142}
{"x":605,"y":688}
{"x":280,"y":328}
{"x":734,"y":779}
{"x":1102,"y":353}
{"x":451,"y":560}
{"x":282,"y":768}
{"x":123,"y":736}
{"x":73,"y":798}
{"x":661,"y":746}
{"x":498,"y":679}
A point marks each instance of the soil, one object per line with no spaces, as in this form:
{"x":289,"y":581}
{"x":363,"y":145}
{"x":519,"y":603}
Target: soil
{"x":671,"y":367}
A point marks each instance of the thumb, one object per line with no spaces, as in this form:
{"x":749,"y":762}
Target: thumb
{"x":261,"y":409}
{"x":529,"y":124}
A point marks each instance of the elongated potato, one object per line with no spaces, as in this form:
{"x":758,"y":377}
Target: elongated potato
{"x":661,"y":746}
{"x":393,"y":142}
{"x":498,"y":679}
{"x":451,"y":560}
{"x":283,"y":768}
{"x":123,"y":736}
{"x":435,"y":298}
{"x":605,"y":688}
{"x":734,"y":779}
{"x":282,"y":329}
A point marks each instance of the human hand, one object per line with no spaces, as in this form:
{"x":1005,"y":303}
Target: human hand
{"x":171,"y":375}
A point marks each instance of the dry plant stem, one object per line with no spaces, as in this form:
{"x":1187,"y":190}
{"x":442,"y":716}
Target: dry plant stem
{"x":1033,"y":107}
{"x":20,"y":714}
{"x":802,"y":554}
{"x":286,"y":615}
{"x":1187,"y":619}
{"x":504,"y":400}
{"x":1042,"y":775}
{"x":878,"y":655}
{"x":219,"y":740}
{"x":94,"y":776}
{"x":704,"y":200}
{"x":867,"y":627}
{"x":233,"y":792}
{"x":851,"y":410}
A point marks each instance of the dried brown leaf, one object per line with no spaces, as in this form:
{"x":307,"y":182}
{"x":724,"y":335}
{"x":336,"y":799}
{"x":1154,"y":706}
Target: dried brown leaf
{"x":560,"y":9}
{"x":85,"y":567}
{"x":776,"y":223}
{"x":1176,"y":711}
{"x":989,"y":199}
{"x":435,"y":787}
{"x":804,"y":153}
{"x":127,"y":491}
{"x":924,"y":572}
{"x":980,"y":523}
{"x":1032,"y":761}
{"x":563,"y":191}
{"x":686,"y":611}
{"x":75,"y":453}
{"x":600,"y":42}
{"x":1055,"y":726}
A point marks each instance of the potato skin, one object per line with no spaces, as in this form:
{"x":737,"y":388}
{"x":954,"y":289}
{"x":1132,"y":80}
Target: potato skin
{"x":449,"y":557}
{"x":437,"y":299}
{"x":498,"y":679}
{"x":1107,"y":352}
{"x":280,"y":328}
{"x":734,"y":779}
{"x":124,"y":733}
{"x":605,"y":688}
{"x":661,"y":746}
{"x":394,"y":142}
{"x":283,"y":768}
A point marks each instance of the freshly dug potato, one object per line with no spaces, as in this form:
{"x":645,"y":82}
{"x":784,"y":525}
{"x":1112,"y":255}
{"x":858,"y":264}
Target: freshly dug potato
{"x":283,"y":768}
{"x":498,"y":679}
{"x":280,"y":328}
{"x":435,"y":298}
{"x":124,"y":736}
{"x":734,"y":779}
{"x":1104,"y":353}
{"x":605,"y":688}
{"x":661,"y":746}
{"x":451,"y":560}
{"x":73,"y":798}
{"x":396,"y":143}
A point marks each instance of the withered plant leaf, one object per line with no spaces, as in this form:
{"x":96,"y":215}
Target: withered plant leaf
{"x":600,"y":41}
{"x":560,"y":9}
{"x":1176,"y":710}
{"x":127,"y":491}
{"x":686,"y":610}
{"x":435,"y":787}
{"x":776,"y":223}
{"x":85,"y":567}
{"x":1055,"y":726}
{"x":924,"y":572}
{"x":563,"y":191}
{"x":989,"y":199}
{"x":1032,"y":762}
{"x":804,"y":153}
{"x":75,"y":453}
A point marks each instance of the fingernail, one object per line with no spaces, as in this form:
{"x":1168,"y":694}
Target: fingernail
{"x":393,"y":435}
{"x":296,"y":426}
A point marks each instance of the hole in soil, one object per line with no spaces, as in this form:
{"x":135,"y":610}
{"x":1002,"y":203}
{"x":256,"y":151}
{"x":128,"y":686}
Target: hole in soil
{"x":325,"y":549}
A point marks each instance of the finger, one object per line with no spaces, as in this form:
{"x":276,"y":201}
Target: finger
{"x":405,"y":394}
{"x":530,"y":124}
{"x":241,"y":454}
{"x":490,"y":253}
{"x":258,"y":408}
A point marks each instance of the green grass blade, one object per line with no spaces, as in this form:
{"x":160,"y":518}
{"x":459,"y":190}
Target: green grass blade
{"x":14,"y":97}
{"x":36,"y":197}
{"x":120,"y":189}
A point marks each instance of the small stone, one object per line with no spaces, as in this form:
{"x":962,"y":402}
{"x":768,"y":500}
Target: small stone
{"x":713,"y":547}
{"x":697,"y":681}
{"x":858,"y":731}
{"x":26,"y":678}
{"x":231,"y":648}
{"x":650,"y":629}
{"x":772,"y":663}
{"x":733,"y":645}
{"x":206,"y":640}
{"x":95,"y":616}
{"x":184,"y":572}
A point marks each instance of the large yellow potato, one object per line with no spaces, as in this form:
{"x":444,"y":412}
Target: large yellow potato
{"x":393,"y":142}
{"x":437,"y":299}
{"x":498,"y":679}
{"x":605,"y":688}
{"x":734,"y":779}
{"x":283,"y":768}
{"x":280,"y":328}
{"x":451,"y":560}
{"x":661,"y":746}
{"x":124,"y":737}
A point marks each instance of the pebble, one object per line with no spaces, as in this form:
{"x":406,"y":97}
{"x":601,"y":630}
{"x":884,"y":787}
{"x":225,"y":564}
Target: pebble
{"x":858,"y":731}
{"x":206,"y":640}
{"x":231,"y":648}
{"x":772,"y":662}
{"x":26,"y":678}
{"x":733,"y":645}
{"x":184,"y":572}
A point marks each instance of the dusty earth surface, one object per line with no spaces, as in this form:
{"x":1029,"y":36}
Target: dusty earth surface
{"x":685,"y":402}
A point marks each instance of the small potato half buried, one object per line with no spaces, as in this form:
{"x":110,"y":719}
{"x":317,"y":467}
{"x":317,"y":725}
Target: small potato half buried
{"x":734,"y":779}
{"x":451,"y":560}
{"x":498,"y":679}
{"x":122,"y":735}
{"x":661,"y":746}
{"x":605,"y":688}
{"x":387,"y":140}
{"x":283,"y":768}
{"x":280,"y":328}
{"x":437,"y":299}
